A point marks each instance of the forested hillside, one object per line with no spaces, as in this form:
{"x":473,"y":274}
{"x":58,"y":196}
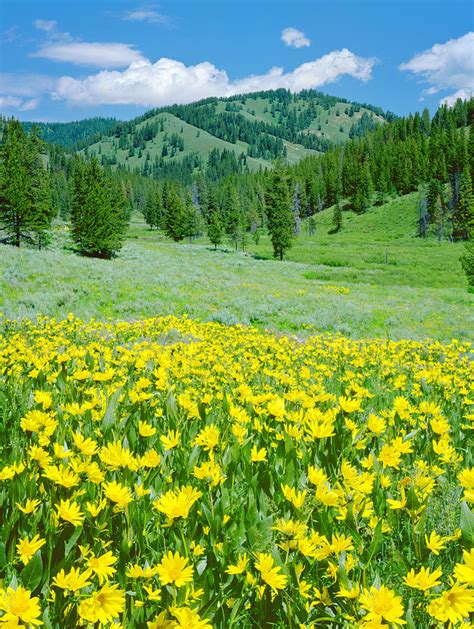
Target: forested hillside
{"x":76,"y":134}
{"x":235,"y":197}
{"x":244,"y":132}
{"x":416,"y":153}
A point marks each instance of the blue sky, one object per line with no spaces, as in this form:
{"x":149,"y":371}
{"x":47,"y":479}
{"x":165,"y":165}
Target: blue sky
{"x":73,"y":59}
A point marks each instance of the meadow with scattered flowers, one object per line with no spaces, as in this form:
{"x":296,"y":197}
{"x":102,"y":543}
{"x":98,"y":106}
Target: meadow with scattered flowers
{"x":169,"y":473}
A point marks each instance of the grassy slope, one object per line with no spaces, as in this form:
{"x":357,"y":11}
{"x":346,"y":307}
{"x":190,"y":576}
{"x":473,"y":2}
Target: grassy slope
{"x":379,"y":247}
{"x":253,"y":109}
{"x":356,"y":294}
{"x":195,"y":140}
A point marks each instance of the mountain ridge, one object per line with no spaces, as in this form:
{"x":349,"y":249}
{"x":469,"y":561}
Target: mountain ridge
{"x":249,"y":129}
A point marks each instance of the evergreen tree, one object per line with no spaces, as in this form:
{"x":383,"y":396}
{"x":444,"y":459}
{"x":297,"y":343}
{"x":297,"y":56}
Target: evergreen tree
{"x":61,"y":196}
{"x":190,"y":218}
{"x":25,"y":189}
{"x":311,"y":226}
{"x":436,"y":207}
{"x":174,"y":218}
{"x":362,"y":194}
{"x":214,"y":228}
{"x":232,"y":214}
{"x":424,"y":216}
{"x":425,"y":121}
{"x":467,"y":262}
{"x":296,"y":206}
{"x":98,"y":219}
{"x":278,"y":208}
{"x":432,"y":200}
{"x":463,"y":211}
{"x":153,"y":208}
{"x":43,"y":209}
{"x":471,"y":150}
{"x":336,"y":218}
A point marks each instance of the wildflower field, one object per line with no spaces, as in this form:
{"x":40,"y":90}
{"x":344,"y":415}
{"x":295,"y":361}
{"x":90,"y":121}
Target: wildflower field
{"x":167,"y":473}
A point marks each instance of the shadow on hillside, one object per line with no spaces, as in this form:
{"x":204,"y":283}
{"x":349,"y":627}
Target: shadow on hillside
{"x":220,"y":250}
{"x":260,"y":256}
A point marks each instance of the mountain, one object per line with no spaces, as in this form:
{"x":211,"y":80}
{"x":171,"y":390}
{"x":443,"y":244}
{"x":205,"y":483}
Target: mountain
{"x":247,"y":131}
{"x":76,"y":134}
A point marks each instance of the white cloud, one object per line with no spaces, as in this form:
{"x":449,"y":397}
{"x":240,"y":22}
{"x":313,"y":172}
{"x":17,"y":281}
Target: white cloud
{"x":10,"y":101}
{"x":446,"y":66}
{"x":95,"y":54}
{"x":148,"y":14}
{"x":53,"y":34}
{"x":169,"y":81}
{"x":27,"y":85}
{"x":462,"y":94}
{"x":15,"y":102}
{"x":45,"y":25}
{"x":294,"y":38}
{"x":29,"y":105}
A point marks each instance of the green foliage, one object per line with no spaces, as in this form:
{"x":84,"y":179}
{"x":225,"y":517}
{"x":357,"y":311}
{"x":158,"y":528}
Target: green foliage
{"x":98,"y":215}
{"x":336,"y":218}
{"x":255,"y":128}
{"x":463,"y":214}
{"x":214,"y":227}
{"x":26,"y":209}
{"x":467,"y":262}
{"x":374,"y":278}
{"x":153,"y":212}
{"x":192,"y":223}
{"x":76,"y":134}
{"x":175,"y":214}
{"x":278,"y":208}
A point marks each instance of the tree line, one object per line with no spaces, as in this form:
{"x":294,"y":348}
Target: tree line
{"x":28,"y":186}
{"x":434,"y":156}
{"x":291,"y":116}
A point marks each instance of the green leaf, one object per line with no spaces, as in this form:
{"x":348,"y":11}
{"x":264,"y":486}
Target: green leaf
{"x":235,"y":610}
{"x":109,"y":417}
{"x":467,"y":523}
{"x":341,"y":571}
{"x":72,"y":540}
{"x":375,"y":545}
{"x":409,"y":616}
{"x":352,"y":526}
{"x":32,"y":573}
{"x":3,"y":556}
{"x":171,"y":408}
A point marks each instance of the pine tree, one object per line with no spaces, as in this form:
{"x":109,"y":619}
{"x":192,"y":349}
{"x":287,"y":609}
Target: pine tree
{"x":361,"y":198}
{"x":43,"y":209}
{"x":432,"y":200}
{"x":425,"y":121}
{"x":174,"y":218}
{"x":424,"y":216}
{"x":467,"y":262}
{"x":153,"y":208}
{"x":190,"y":218}
{"x":463,"y":211}
{"x":296,"y":207}
{"x":214,"y":228}
{"x":278,"y":208}
{"x":231,"y":213}
{"x":336,"y":218}
{"x":25,"y":189}
{"x":311,"y":226}
{"x":436,"y":207}
{"x":98,"y":217}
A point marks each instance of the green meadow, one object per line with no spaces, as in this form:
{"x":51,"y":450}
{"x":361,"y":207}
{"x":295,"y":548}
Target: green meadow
{"x":349,"y":283}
